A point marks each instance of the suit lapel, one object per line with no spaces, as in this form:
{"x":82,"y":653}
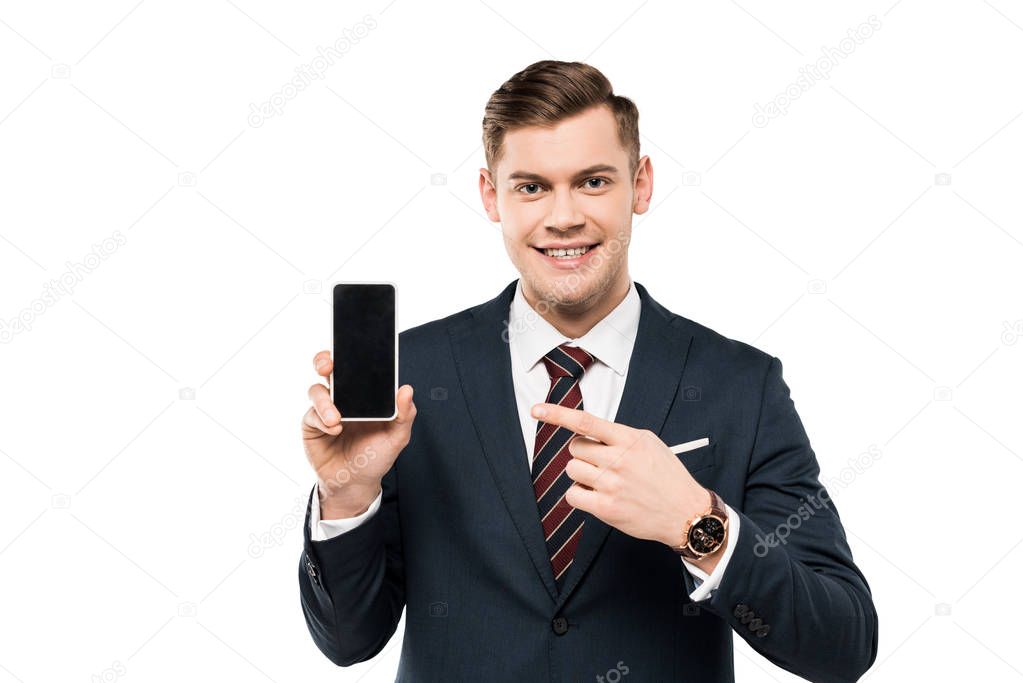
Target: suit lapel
{"x":483,"y":363}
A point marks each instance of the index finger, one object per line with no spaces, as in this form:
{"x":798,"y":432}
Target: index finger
{"x":580,"y":422}
{"x":323,"y":363}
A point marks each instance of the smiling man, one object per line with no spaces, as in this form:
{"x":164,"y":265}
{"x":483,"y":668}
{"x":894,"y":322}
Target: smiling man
{"x":592,"y":487}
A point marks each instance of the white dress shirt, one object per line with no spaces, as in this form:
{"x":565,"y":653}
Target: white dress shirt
{"x":530,"y":337}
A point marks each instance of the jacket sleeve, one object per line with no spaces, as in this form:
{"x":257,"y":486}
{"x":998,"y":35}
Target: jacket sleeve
{"x":791,"y":588}
{"x":353,"y":585}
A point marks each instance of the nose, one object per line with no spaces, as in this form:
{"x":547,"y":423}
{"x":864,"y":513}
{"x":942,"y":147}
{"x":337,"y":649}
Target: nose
{"x":564,"y":214}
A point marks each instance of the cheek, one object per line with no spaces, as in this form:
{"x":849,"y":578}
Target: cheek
{"x":610,"y":212}
{"x":515,"y":233}
{"x":519,"y":219}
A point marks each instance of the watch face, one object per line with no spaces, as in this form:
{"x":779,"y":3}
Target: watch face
{"x":706,"y":535}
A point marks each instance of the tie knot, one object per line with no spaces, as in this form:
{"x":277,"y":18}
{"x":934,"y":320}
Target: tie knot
{"x":567,"y":361}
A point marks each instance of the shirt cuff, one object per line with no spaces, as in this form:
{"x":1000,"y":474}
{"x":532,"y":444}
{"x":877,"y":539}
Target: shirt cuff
{"x":706,"y":583}
{"x":326,"y":529}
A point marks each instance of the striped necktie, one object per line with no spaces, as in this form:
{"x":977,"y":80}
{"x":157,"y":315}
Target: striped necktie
{"x":562,"y":523}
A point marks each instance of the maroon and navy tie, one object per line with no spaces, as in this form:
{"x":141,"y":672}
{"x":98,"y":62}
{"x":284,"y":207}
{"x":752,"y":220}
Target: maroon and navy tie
{"x":562,"y":523}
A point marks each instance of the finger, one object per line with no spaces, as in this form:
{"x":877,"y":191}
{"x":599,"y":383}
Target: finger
{"x":311,"y":420}
{"x":580,"y":422}
{"x":592,"y":451}
{"x":583,"y":499}
{"x":406,"y":407}
{"x":324,"y":407}
{"x":323,"y":363}
{"x":586,"y":474}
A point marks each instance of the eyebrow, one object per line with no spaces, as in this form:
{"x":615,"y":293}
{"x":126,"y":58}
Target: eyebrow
{"x":591,"y":170}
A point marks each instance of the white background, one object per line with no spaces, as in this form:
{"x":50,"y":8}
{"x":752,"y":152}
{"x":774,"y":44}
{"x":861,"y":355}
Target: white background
{"x":131,"y":514}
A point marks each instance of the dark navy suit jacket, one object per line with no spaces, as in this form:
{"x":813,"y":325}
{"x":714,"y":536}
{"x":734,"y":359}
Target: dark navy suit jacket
{"x":457,"y":541}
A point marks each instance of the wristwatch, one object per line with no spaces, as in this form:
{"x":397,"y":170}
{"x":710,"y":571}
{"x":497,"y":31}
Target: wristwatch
{"x":704,"y":534}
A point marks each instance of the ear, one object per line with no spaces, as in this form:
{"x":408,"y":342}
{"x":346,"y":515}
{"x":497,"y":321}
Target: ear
{"x":488,"y":194}
{"x":643,"y":185}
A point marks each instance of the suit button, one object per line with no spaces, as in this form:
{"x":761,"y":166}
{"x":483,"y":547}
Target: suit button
{"x":560,"y":625}
{"x":310,"y":569}
{"x":762,"y":631}
{"x":740,"y":610}
{"x":754,"y":624}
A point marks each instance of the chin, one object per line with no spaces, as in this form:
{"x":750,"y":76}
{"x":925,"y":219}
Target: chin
{"x":567,"y":290}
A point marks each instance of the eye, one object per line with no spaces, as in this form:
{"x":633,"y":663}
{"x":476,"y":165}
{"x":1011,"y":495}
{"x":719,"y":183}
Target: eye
{"x":537,"y":187}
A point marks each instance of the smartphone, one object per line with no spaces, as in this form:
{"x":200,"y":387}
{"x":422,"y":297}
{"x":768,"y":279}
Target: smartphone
{"x":365,"y":378}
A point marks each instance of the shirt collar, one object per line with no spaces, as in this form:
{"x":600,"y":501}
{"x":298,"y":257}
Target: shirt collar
{"x":610,"y":340}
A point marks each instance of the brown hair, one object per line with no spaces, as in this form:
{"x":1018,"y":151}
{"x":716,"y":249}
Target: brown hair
{"x":549,"y":91}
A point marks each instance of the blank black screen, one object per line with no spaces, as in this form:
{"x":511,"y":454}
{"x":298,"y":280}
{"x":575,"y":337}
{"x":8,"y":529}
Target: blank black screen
{"x":364,"y":346}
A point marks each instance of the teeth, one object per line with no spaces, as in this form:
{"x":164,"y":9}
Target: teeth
{"x":566,"y":253}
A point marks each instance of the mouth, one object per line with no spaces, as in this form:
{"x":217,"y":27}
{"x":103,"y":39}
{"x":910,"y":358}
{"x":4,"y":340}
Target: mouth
{"x":565,"y":257}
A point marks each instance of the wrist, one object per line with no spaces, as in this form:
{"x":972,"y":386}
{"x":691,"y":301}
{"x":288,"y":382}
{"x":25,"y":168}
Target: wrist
{"x":346,"y":501}
{"x":689,"y":508}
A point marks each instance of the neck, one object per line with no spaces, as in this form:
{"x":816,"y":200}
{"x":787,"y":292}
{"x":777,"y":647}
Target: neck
{"x":576,"y":320}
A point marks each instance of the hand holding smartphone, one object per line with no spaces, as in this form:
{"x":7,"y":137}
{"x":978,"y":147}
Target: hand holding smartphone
{"x":356,"y":429}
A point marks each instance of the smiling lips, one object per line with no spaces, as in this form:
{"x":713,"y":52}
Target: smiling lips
{"x":566,"y":252}
{"x":567,"y":256}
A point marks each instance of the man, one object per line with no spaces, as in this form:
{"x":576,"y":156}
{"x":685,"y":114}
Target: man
{"x":530,"y":536}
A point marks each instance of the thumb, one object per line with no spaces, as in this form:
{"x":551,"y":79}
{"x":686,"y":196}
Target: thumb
{"x":406,"y":408}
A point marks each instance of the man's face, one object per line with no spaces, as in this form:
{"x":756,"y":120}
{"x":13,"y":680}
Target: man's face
{"x":568,"y":186}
